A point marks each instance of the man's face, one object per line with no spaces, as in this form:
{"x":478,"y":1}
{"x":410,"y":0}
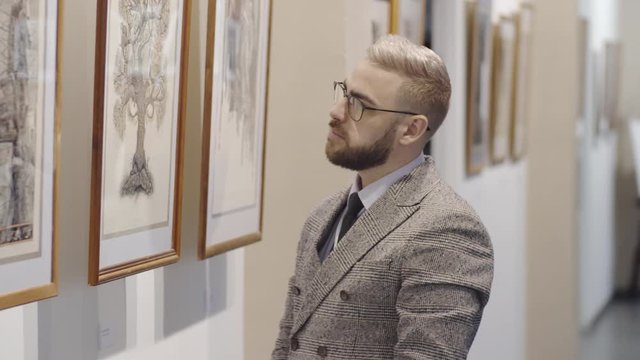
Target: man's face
{"x":368,"y":142}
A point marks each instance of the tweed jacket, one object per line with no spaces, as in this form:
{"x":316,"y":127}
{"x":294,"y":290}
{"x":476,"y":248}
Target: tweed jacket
{"x":409,"y":280}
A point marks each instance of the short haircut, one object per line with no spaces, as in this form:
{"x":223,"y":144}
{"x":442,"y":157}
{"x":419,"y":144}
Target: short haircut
{"x":427,"y":89}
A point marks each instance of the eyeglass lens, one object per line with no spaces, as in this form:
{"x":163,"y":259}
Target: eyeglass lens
{"x":354,"y":105}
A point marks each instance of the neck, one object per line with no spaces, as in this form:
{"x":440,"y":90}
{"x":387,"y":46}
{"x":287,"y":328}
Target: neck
{"x":374,"y":174}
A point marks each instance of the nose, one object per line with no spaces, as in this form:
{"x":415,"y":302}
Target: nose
{"x":338,"y":111}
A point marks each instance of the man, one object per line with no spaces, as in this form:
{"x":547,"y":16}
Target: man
{"x":398,"y":266}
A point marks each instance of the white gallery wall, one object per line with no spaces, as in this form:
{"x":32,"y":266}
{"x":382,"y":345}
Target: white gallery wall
{"x":307,"y":55}
{"x":498,"y":194}
{"x":528,"y":206}
{"x":596,"y":165}
{"x":552,"y":260}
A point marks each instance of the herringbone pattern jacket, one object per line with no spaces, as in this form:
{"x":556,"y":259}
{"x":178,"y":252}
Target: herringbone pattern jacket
{"x":409,"y":280}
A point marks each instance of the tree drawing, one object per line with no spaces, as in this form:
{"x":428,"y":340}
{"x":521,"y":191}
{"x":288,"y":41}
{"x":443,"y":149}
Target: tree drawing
{"x":17,"y":132}
{"x":140,"y":82}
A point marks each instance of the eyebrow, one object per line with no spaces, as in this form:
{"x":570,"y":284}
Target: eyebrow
{"x":359,"y":95}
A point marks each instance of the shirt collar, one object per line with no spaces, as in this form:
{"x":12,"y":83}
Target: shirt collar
{"x":375,"y":190}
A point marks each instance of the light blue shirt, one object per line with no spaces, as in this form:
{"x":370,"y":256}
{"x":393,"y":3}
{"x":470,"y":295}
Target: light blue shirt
{"x":372,"y":192}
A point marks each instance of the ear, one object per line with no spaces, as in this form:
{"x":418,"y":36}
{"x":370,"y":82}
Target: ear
{"x":414,"y":129}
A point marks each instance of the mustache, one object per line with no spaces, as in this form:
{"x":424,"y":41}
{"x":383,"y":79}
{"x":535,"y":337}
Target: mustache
{"x":333,"y":123}
{"x":335,"y":126}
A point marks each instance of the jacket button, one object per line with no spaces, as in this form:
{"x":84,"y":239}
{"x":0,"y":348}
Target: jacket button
{"x":294,"y":344}
{"x":322,"y":351}
{"x":344,"y":295}
{"x":296,"y":291}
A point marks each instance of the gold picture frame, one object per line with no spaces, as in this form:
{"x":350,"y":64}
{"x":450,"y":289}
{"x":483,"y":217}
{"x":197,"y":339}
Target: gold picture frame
{"x":229,"y":222}
{"x":479,"y":51}
{"x":524,"y":20}
{"x":136,"y":71}
{"x":43,"y":263}
{"x":502,"y":88}
{"x":408,"y":18}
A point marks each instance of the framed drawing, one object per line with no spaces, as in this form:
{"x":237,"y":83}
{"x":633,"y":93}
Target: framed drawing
{"x":599,"y":89}
{"x":521,"y":82}
{"x":235,"y":101}
{"x":504,"y":40}
{"x":141,"y":57}
{"x":613,"y":63}
{"x":583,"y":55}
{"x":29,"y":149}
{"x":380,"y":18}
{"x":478,"y":85}
{"x":408,"y":19}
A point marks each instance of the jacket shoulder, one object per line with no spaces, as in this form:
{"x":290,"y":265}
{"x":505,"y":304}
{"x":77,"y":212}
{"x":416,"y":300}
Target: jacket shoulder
{"x":446,"y":211}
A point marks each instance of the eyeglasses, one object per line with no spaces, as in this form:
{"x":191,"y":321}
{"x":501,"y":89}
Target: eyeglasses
{"x":355,"y":107}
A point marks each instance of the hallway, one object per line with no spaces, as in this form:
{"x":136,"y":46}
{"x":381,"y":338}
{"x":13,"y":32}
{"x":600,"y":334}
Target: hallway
{"x":615,"y":335}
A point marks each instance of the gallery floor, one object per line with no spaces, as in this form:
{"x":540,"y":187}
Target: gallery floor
{"x":615,"y":335}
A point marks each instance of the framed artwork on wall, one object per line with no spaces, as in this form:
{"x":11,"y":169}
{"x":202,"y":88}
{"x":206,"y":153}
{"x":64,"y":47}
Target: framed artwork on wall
{"x":607,"y":64}
{"x":521,"y":82}
{"x":138,"y":134}
{"x":479,"y":56}
{"x":408,"y":19}
{"x":583,"y":55}
{"x":380,"y":18}
{"x":504,"y":41}
{"x":599,"y":89}
{"x":29,"y":149}
{"x":613,"y":63}
{"x":235,"y":101}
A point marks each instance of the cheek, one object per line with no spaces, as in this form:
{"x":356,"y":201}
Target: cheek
{"x":364,"y":136}
{"x":359,"y":134}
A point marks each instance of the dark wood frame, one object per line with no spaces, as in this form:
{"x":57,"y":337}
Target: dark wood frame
{"x":49,"y":290}
{"x":96,"y":275}
{"x":205,"y":251}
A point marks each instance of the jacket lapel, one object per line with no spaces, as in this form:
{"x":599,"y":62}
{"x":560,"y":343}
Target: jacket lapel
{"x":318,"y":227}
{"x":400,"y":201}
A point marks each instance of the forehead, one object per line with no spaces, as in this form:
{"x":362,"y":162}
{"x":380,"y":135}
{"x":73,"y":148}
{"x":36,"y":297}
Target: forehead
{"x":375,"y":82}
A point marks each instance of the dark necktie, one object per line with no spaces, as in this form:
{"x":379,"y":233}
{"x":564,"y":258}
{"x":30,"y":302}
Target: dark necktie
{"x":354,"y":205}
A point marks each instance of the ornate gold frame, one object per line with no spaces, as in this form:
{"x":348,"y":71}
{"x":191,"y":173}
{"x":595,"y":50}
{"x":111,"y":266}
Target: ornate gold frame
{"x":96,"y":275}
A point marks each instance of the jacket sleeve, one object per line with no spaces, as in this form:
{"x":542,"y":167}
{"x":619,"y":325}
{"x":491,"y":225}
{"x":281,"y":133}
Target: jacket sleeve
{"x":446,"y":278}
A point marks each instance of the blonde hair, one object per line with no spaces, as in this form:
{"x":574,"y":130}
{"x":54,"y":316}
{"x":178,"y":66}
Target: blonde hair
{"x":427,"y":89}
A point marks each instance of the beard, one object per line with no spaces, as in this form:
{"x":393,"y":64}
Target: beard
{"x":358,"y":158}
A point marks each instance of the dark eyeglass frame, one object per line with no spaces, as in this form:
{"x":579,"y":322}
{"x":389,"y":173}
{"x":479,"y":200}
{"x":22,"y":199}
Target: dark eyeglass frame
{"x":343,"y":86}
